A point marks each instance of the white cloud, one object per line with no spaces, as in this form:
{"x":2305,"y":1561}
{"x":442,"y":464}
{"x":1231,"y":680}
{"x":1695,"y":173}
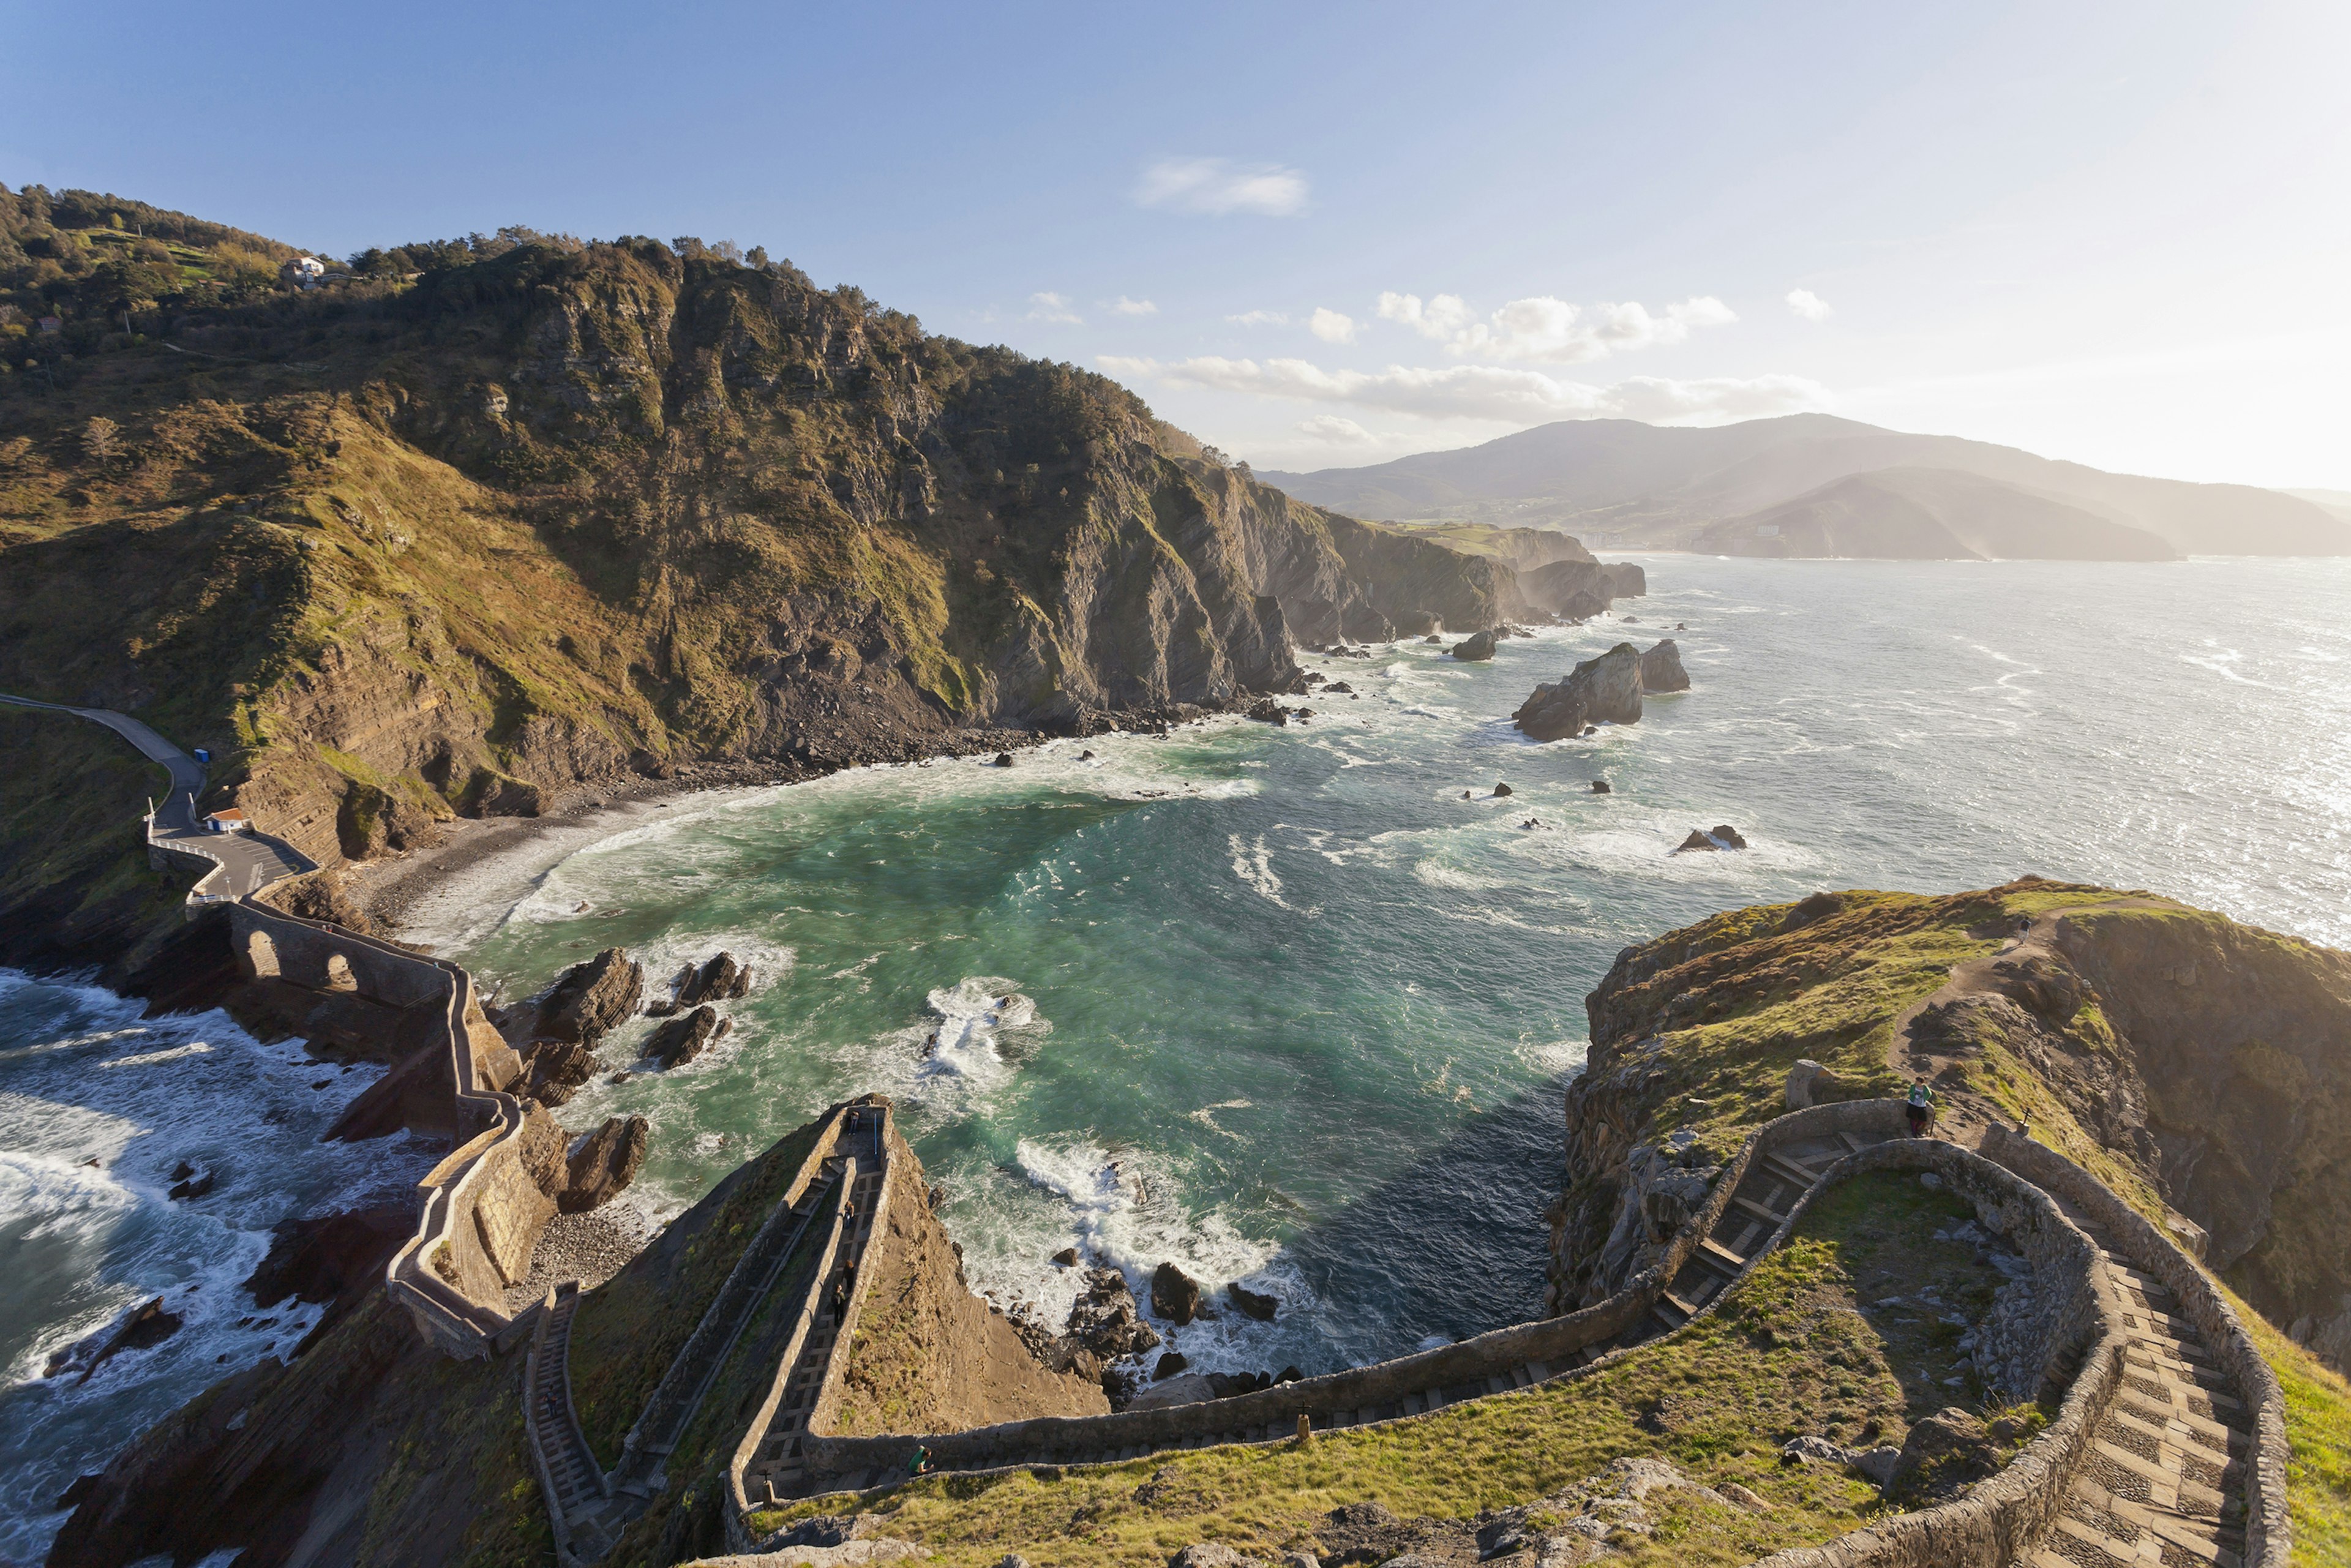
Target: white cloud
{"x":1542,"y":328}
{"x":1123,"y":306}
{"x":1051,"y":307}
{"x":1487,"y":391}
{"x":1261,"y":318}
{"x":1809,"y":305}
{"x":1441,"y":318}
{"x":1331,"y":327}
{"x":1216,"y":186}
{"x":1337,"y":430}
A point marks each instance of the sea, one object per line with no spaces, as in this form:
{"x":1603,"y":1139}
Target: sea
{"x":1288,"y":1006}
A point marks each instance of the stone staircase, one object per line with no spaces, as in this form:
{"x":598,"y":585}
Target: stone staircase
{"x":778,"y":1469}
{"x":2165,"y":1479}
{"x":1758,"y":1208}
{"x":578,"y":1497}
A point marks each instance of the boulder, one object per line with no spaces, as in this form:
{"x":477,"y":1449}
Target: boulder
{"x":1003,"y":759}
{"x":1479,"y":645}
{"x":1696,"y":840}
{"x":1175,"y":1295}
{"x":191,"y":1183}
{"x":1501,"y":791}
{"x":1265,"y":710}
{"x":686,"y":1036}
{"x":1213,"y":1554}
{"x":1605,"y":688}
{"x":1252,"y":1303}
{"x":1432,"y":637}
{"x":1105,"y":1319}
{"x":1600,"y":787}
{"x":1943,"y":1456}
{"x":1661,"y":669}
{"x":603,"y":1165}
{"x":1067,"y":1257}
{"x":1174,"y":1361}
{"x":1726,"y":835}
{"x":1816,"y":907}
{"x":590,"y":998}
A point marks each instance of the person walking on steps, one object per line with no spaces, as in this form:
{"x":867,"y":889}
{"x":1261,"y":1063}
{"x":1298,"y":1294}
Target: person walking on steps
{"x":1921,"y":1108}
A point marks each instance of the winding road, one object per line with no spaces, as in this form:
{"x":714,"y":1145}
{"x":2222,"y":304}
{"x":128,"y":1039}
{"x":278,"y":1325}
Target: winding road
{"x":249,"y":861}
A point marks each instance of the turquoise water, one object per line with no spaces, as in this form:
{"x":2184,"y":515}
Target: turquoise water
{"x":1284,"y":1007}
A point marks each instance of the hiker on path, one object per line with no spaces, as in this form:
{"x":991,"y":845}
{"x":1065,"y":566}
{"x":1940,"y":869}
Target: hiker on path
{"x":1921,"y":1108}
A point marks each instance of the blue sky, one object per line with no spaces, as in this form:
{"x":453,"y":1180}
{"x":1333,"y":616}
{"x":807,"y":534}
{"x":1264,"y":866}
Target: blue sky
{"x":2116,"y":233}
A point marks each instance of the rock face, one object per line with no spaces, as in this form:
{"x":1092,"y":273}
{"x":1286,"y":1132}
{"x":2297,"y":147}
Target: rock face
{"x":1475,"y":647}
{"x":1661,"y":669}
{"x":682,"y":1038}
{"x":1175,"y":1295}
{"x":1607,"y":689}
{"x":591,"y":998}
{"x":1941,"y":1456}
{"x":604,"y":1164}
{"x":335,"y":1258}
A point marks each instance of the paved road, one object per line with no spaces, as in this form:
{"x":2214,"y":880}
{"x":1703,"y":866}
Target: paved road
{"x":252,"y":861}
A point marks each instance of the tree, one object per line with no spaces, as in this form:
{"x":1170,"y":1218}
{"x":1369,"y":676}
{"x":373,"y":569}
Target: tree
{"x":100,"y":439}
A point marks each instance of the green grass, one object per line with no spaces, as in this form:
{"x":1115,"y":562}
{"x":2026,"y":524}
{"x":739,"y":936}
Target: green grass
{"x":1789,"y":1354}
{"x":2318,"y":1436}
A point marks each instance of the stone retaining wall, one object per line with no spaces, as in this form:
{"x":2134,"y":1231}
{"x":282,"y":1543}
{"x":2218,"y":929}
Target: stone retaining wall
{"x":2269,"y":1529}
{"x":1548,"y":1339}
{"x":482,"y":1212}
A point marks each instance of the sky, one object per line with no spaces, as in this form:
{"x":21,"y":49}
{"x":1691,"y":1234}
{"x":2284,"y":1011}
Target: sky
{"x":1321,"y":236}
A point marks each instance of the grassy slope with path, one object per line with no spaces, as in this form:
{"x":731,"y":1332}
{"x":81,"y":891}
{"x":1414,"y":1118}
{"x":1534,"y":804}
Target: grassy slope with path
{"x":1790,"y":1352}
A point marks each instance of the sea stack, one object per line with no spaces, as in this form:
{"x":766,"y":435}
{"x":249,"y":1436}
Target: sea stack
{"x":1607,"y":688}
{"x":1661,"y":669}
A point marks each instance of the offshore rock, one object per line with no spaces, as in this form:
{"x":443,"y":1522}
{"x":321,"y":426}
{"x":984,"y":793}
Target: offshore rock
{"x":1252,"y":1303}
{"x":1175,"y":1295}
{"x":720,"y":980}
{"x":556,"y":1070}
{"x":1479,"y":645}
{"x":591,"y":998}
{"x":687,"y":1035}
{"x":1661,"y":669}
{"x":1607,"y":688}
{"x":1105,"y":1319}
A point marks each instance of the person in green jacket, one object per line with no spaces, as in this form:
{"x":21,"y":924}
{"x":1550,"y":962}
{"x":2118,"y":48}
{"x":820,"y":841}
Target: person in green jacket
{"x":1921,"y":1108}
{"x":920,"y":1464}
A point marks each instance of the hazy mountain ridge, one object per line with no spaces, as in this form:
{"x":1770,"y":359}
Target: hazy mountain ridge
{"x":1621,"y":481}
{"x":1930,"y":514}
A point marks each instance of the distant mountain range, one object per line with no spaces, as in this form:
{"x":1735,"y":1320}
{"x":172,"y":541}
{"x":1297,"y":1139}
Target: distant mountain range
{"x":1814,"y":485}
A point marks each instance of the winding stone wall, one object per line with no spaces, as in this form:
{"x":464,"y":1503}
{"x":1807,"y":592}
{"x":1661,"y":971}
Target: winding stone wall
{"x":2269,"y":1530}
{"x":483,"y":1211}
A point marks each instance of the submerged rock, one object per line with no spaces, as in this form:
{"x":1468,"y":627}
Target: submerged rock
{"x":143,"y":1328}
{"x":1607,"y":688}
{"x":1252,"y":1303}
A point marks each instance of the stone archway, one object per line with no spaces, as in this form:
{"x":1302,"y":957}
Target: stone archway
{"x":338,"y":974}
{"x":261,"y":957}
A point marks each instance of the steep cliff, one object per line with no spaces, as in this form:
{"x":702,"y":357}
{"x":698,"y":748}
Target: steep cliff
{"x":453,"y":542}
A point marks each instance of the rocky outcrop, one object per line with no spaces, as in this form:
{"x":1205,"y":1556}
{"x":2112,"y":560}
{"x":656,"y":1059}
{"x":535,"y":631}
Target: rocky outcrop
{"x":1479,"y":645}
{"x":1661,"y":669}
{"x":1176,"y":1296}
{"x":1105,"y":1319}
{"x":1603,"y":690}
{"x":605,"y":1163}
{"x":590,"y":998}
{"x":719,"y":980}
{"x":1721,"y":836}
{"x":682,"y":1038}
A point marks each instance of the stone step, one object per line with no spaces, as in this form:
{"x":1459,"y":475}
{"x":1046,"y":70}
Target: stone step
{"x":2168,"y":1488}
{"x":2170,"y":1424}
{"x":1772,"y":1217}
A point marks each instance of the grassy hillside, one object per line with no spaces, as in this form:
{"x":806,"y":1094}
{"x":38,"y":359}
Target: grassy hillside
{"x":482,"y":519}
